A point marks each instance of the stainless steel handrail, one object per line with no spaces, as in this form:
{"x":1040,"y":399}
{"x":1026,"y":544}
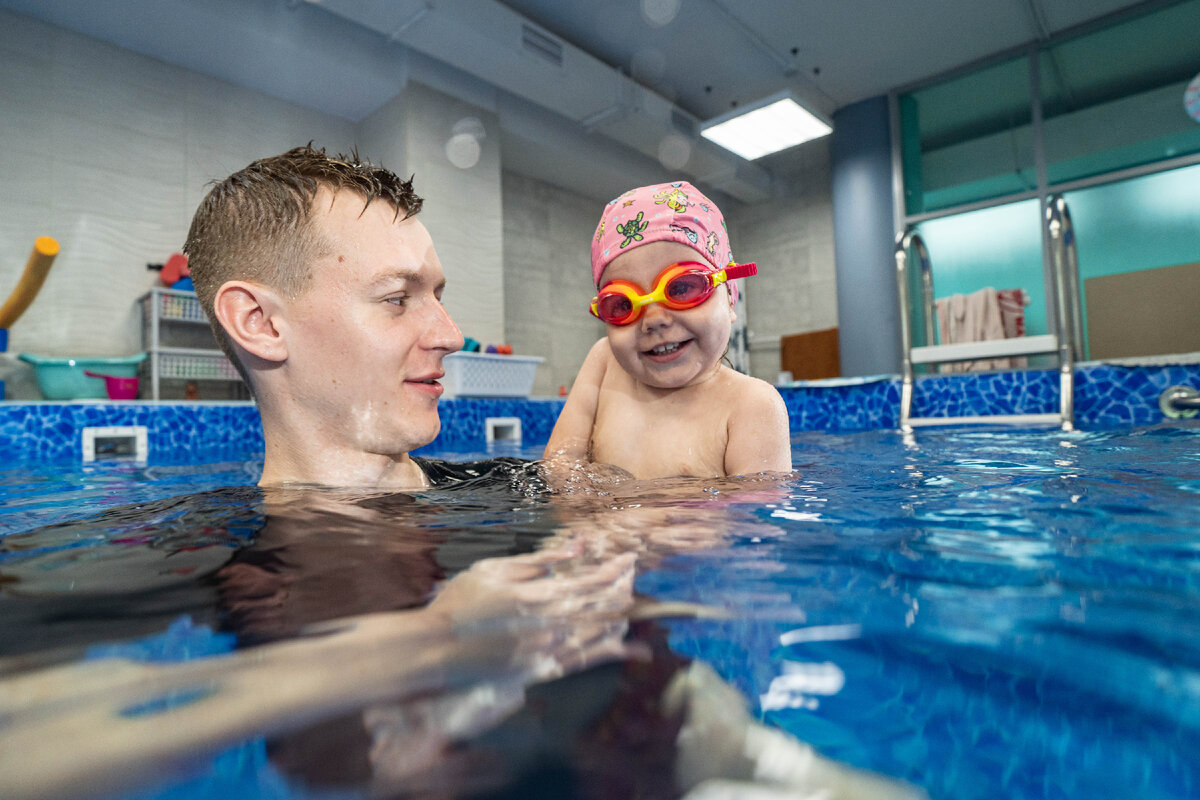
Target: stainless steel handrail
{"x":1179,"y":402}
{"x":1064,"y":265}
{"x":1057,"y":209}
{"x":904,"y":241}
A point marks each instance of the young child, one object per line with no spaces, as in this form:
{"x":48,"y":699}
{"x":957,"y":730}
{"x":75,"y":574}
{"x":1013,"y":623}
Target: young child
{"x":653,"y":397}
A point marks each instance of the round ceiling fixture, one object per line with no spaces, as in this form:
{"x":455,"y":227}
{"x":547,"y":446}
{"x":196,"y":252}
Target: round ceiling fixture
{"x":1191,"y":99}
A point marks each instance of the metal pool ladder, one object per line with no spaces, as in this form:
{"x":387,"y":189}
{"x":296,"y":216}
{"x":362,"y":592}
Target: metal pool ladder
{"x":1064,"y":343}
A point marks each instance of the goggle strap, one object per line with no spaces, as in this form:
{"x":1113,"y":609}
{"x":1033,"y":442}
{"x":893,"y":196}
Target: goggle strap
{"x":735,"y":271}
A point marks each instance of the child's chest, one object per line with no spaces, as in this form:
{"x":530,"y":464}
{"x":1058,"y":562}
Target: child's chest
{"x":678,"y":434}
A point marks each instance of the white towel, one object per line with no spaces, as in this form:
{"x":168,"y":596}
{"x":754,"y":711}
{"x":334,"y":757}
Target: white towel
{"x":976,"y":317}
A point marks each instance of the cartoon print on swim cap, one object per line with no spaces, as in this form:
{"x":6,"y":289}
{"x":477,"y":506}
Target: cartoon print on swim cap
{"x":600,"y":229}
{"x":711,"y":243}
{"x":621,"y":197}
{"x":632,"y":230}
{"x":674,"y":198}
{"x":688,"y":232}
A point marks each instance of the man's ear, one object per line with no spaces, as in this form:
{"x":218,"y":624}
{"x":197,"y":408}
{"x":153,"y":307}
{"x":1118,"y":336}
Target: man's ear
{"x":251,"y":315}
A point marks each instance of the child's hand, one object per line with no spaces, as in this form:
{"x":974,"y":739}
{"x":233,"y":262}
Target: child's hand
{"x":573,"y":476}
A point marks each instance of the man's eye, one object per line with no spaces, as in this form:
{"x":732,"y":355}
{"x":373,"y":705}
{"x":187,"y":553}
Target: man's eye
{"x":399,"y":300}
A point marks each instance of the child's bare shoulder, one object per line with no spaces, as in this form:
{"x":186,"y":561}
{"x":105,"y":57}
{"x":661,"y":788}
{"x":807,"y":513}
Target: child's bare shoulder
{"x":753,"y":388}
{"x":754,"y":398}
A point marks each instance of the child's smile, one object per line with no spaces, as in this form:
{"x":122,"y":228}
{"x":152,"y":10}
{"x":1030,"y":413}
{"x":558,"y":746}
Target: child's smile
{"x":667,"y":352}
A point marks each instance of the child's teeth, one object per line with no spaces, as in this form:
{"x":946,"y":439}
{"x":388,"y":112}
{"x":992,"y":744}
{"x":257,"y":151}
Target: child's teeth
{"x":663,"y":349}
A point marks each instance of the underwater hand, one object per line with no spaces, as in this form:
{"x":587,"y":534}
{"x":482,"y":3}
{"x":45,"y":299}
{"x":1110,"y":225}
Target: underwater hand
{"x":563,"y":613}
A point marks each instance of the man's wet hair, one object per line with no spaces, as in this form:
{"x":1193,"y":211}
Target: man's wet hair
{"x":256,"y":225}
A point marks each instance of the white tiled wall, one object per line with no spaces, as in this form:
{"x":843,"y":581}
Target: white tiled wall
{"x":110,"y":152}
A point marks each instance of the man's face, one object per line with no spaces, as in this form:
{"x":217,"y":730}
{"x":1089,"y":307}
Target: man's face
{"x":367,"y":334}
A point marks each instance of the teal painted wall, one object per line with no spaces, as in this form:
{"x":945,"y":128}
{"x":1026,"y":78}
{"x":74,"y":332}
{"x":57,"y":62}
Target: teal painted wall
{"x":1138,"y":224}
{"x":1142,"y":223}
{"x":998,"y":247}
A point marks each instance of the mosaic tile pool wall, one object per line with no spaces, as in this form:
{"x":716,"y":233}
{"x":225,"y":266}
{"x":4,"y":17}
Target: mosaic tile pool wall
{"x":1106,"y":395}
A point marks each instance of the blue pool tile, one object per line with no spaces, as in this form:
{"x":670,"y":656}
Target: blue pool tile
{"x":1106,"y":396}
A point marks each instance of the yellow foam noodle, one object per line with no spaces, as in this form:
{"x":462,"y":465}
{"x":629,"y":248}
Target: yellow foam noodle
{"x":40,"y":259}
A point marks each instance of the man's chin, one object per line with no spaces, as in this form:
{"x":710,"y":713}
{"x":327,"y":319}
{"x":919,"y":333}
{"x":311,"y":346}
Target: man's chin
{"x":423,"y":435}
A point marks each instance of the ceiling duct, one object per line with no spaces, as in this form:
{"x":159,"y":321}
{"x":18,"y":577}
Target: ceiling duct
{"x":554,"y":75}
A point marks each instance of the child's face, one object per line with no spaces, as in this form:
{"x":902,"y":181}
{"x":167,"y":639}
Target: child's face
{"x":668,"y":349}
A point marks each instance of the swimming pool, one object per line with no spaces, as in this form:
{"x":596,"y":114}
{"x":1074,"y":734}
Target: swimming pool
{"x":983,"y":613}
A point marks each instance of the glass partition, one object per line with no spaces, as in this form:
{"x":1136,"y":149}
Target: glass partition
{"x":1139,"y":263}
{"x":969,"y":138}
{"x":1113,"y":98}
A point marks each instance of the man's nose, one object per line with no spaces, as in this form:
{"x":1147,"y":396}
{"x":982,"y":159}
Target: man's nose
{"x":442,"y":333}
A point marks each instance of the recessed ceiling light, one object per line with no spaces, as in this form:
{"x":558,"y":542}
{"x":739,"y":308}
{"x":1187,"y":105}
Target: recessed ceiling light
{"x":770,"y":125}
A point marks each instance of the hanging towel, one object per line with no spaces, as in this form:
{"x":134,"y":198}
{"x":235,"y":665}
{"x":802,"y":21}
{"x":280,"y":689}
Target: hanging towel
{"x":1012,"y":314}
{"x":1012,"y":311}
{"x":978,"y":317}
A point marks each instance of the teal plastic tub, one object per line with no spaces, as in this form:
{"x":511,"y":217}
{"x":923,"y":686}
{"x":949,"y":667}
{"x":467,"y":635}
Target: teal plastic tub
{"x":63,"y":378}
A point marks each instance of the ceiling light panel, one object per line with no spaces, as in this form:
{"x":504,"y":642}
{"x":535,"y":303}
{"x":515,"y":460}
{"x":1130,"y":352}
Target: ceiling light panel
{"x":774,"y":124}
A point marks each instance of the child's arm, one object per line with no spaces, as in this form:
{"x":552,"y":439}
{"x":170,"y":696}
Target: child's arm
{"x":573,"y":431}
{"x":759,"y":437}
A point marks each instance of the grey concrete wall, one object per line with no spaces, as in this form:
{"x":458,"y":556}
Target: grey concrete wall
{"x":791,"y":239}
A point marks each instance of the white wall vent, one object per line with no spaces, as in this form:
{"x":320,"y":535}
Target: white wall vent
{"x":117,"y":443}
{"x":503,"y":429}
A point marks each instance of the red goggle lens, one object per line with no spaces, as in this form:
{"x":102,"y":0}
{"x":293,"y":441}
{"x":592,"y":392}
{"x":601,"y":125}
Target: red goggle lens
{"x":613,"y":308}
{"x":689,"y":289}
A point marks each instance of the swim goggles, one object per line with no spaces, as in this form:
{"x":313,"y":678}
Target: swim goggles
{"x":678,"y":287}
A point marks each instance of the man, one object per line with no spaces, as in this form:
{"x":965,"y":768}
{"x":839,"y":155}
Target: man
{"x":325,"y":292}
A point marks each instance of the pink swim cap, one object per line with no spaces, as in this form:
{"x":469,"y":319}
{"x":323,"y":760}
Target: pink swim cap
{"x":667,"y":212}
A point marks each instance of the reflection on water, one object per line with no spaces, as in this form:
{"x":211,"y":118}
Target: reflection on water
{"x":1027,"y":605}
{"x":482,"y":637}
{"x":982,"y":613}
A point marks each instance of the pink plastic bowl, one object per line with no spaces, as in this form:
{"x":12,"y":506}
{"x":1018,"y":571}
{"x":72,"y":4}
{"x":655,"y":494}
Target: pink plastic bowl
{"x":118,"y":388}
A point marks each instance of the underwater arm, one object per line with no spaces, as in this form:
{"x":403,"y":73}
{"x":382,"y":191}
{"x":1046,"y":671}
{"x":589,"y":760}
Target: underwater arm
{"x":105,"y":726}
{"x":759,"y":434}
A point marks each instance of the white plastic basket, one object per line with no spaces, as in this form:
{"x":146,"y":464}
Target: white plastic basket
{"x":489,"y":375}
{"x":196,"y":366}
{"x":172,"y":304}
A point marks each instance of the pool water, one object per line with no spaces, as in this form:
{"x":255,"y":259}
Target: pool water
{"x":982,"y":613}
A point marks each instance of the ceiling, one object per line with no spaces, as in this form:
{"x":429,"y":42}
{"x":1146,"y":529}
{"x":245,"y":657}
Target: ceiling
{"x":591,"y":94}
